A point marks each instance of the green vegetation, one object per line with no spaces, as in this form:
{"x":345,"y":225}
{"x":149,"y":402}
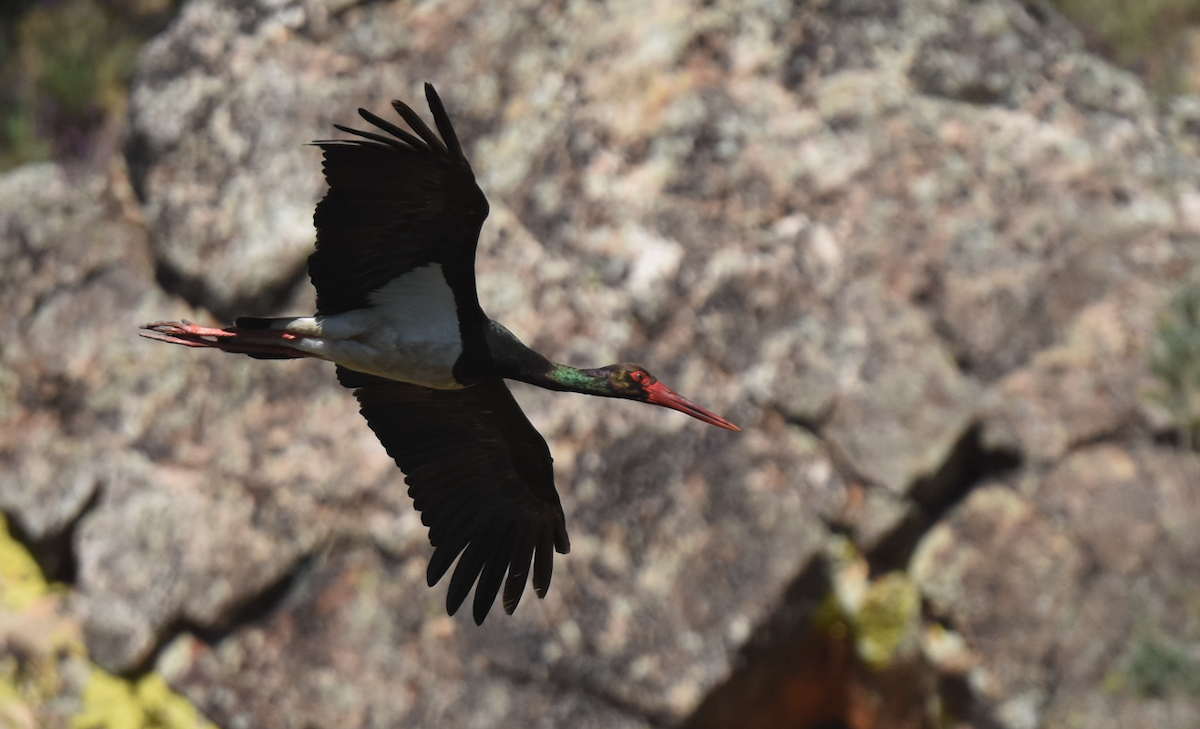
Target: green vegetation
{"x":1155,"y":38}
{"x":1156,"y":669}
{"x":1176,"y":363}
{"x":1156,"y":666}
{"x":65,"y":68}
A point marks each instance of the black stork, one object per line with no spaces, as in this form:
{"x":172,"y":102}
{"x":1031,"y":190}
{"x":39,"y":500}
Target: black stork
{"x":398,"y":313}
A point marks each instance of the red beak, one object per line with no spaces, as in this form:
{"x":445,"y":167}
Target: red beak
{"x":660,"y":394}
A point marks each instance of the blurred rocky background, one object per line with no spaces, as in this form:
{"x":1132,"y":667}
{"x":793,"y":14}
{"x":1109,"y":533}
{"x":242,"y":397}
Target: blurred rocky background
{"x":939,"y":258}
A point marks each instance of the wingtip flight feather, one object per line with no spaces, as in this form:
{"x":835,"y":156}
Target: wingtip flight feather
{"x":393,"y":143}
{"x":543,"y":567}
{"x":418,"y":125}
{"x":492,"y":577}
{"x":518,"y":571}
{"x":442,"y":120}
{"x":392,"y":129}
{"x":424,"y":140}
{"x":470,"y":564}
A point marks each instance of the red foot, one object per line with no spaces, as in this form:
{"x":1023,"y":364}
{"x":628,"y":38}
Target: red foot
{"x":242,"y":341}
{"x":185,"y":328}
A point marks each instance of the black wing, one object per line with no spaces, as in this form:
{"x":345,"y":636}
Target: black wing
{"x":396,"y":201}
{"x":480,"y":475}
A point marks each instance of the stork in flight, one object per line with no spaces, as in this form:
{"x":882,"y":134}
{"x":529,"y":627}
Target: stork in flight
{"x":398,"y":313}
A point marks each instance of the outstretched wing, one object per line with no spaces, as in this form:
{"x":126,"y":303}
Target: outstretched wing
{"x":397,"y":201}
{"x":480,"y":475}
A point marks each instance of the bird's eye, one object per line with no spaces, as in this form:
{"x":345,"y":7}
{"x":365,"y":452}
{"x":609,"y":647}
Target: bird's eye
{"x":640,"y":377}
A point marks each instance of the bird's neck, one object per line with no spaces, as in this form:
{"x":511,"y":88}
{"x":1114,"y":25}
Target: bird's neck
{"x":570,"y":379}
{"x":513,"y":360}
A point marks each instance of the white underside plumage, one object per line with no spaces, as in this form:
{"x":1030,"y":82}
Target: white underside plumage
{"x":409,"y":333}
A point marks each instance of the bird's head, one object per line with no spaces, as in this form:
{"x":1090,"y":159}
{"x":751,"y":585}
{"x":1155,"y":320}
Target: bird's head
{"x":633,"y":382}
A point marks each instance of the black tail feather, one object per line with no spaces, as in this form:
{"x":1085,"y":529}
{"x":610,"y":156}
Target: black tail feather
{"x":263,"y":355}
{"x":254,"y":322}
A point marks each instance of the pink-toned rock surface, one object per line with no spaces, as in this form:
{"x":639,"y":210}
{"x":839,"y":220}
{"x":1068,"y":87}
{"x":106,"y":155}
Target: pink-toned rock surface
{"x":918,"y":250}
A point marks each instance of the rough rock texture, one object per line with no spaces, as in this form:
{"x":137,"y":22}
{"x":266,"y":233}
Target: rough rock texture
{"x":917,"y":249}
{"x":46,"y":678}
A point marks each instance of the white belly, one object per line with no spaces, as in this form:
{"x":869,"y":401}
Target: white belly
{"x":409,"y":333}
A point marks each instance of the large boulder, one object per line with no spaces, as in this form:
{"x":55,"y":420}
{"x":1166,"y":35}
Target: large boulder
{"x":917,"y":249}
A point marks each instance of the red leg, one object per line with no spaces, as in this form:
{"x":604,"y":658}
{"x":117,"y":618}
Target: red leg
{"x":186,"y":328}
{"x":242,"y":341}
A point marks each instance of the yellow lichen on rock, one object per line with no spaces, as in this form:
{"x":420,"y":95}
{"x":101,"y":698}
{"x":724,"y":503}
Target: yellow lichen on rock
{"x":888,"y":620}
{"x":21,"y":582}
{"x":883,"y":614}
{"x":114,"y":703}
{"x":45,"y":674}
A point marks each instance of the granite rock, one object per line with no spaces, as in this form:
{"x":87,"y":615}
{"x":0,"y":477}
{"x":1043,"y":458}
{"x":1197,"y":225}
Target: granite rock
{"x":918,"y":249}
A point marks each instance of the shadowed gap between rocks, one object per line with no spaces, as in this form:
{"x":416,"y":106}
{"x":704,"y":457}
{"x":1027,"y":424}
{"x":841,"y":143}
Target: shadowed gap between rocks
{"x":197,"y":294}
{"x":813,"y":424}
{"x":772,"y":682}
{"x":958,"y":699}
{"x":801,"y":670}
{"x":1176,"y":438}
{"x":54,"y":553}
{"x":968,"y":465}
{"x":250,"y":611}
